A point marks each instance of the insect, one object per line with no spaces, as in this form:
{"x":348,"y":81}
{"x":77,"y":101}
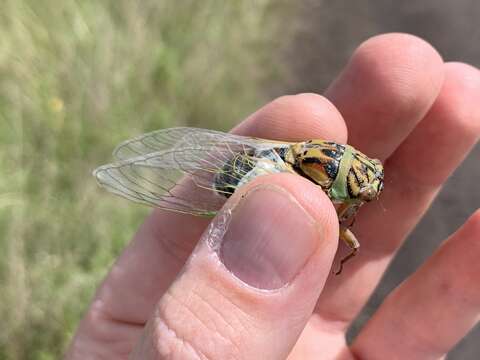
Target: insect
{"x":194,"y":171}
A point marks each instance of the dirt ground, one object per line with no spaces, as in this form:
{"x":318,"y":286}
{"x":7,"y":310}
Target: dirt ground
{"x":328,"y":32}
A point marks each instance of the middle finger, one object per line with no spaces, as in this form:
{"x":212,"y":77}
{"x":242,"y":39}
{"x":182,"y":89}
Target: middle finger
{"x":416,"y":172}
{"x":389,"y":85}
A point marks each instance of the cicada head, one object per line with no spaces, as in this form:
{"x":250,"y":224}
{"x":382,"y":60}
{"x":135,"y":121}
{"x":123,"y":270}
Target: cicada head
{"x":365,"y":178}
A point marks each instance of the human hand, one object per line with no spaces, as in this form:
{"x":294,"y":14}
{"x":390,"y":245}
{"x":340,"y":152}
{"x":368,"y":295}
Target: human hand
{"x":257,"y":284}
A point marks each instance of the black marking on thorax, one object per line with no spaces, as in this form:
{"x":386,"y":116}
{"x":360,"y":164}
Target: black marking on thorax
{"x":331,"y":166}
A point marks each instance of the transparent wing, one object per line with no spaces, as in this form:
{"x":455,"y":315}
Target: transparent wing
{"x":159,"y":140}
{"x":165,"y":139}
{"x":186,"y":169}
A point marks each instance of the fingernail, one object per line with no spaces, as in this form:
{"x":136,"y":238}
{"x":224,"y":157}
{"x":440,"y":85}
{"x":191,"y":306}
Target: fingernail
{"x":269,"y":238}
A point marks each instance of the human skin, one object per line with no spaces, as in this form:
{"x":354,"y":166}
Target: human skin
{"x":265,"y":289}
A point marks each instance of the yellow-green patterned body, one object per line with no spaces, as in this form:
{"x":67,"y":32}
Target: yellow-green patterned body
{"x":346,"y":174}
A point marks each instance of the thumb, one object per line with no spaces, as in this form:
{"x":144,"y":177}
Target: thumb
{"x":251,"y":284}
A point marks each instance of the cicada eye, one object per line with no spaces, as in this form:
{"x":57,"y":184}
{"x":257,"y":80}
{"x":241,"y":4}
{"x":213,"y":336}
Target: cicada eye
{"x":368,"y":194}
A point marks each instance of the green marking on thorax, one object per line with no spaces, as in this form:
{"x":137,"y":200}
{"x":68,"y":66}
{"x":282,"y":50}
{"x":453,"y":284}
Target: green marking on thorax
{"x":339,"y":190}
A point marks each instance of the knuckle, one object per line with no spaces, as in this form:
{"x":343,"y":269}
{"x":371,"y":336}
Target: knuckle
{"x":192,"y":328}
{"x":169,"y":344}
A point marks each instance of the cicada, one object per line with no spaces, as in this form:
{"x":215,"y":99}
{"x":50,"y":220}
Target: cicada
{"x":194,"y":171}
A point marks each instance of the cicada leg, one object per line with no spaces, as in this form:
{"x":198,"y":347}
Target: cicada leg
{"x":347,"y":236}
{"x":347,"y":212}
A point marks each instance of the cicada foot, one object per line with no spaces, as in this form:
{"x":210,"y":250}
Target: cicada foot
{"x":347,"y":236}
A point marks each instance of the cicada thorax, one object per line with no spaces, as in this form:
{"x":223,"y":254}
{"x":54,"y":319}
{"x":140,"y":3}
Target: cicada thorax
{"x":317,"y":160}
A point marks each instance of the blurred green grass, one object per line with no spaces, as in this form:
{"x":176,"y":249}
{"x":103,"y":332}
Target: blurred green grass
{"x":77,"y":77}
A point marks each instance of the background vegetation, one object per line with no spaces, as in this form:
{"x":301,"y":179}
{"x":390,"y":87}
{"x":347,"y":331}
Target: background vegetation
{"x":77,"y":77}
